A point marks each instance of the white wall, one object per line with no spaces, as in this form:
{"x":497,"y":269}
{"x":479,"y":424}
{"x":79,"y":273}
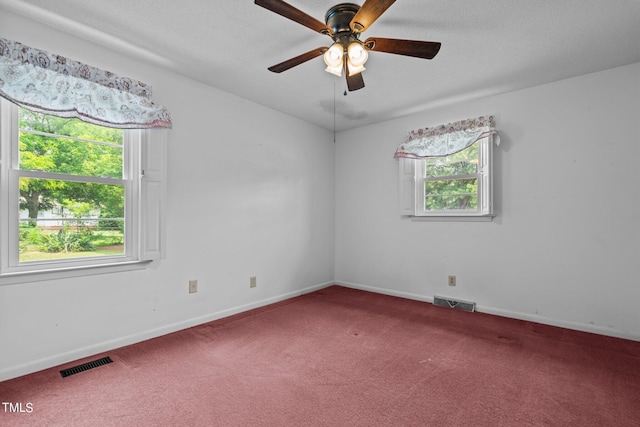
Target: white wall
{"x":564,"y":248}
{"x":250,"y":193}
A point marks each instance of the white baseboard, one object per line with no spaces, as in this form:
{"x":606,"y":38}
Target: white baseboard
{"x":583,"y":327}
{"x":385,"y":291}
{"x":59,"y":359}
{"x":506,"y":313}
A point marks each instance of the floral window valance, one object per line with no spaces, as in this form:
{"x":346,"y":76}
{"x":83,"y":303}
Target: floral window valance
{"x":52,"y":84}
{"x":447,"y":139}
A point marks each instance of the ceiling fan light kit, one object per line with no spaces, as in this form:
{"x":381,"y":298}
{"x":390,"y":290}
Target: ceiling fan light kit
{"x":356,"y":57}
{"x":344,"y":24}
{"x":334,"y":58}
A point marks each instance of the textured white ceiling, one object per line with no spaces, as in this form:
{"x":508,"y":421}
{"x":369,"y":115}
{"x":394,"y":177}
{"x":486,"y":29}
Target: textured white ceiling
{"x":488,"y":47}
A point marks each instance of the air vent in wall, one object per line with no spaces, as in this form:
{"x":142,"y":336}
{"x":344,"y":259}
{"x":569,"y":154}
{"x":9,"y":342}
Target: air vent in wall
{"x":85,"y":367}
{"x":454,"y":303}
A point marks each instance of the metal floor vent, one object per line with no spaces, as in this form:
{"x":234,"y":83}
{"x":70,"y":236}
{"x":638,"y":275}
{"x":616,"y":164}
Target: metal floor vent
{"x":85,"y":367}
{"x":453,"y":303}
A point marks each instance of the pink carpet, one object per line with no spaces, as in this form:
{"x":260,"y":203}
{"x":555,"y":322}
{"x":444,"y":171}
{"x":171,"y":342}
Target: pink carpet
{"x":342,"y":357}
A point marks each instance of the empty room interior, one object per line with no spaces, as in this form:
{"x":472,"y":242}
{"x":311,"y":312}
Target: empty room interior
{"x":275,"y":213}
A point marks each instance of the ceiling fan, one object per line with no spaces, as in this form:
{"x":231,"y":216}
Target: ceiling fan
{"x":344,"y":24}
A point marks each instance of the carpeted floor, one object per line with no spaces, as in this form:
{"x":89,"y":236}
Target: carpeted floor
{"x":343,"y":357}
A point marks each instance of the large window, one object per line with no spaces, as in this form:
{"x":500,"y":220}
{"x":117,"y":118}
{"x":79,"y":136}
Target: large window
{"x":76,"y":195}
{"x":457,"y":185}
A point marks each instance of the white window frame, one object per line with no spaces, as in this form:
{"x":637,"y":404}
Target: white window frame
{"x":145,"y":198}
{"x":411,"y":191}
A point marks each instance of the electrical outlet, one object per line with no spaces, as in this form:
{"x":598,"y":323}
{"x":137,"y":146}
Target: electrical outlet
{"x":452,"y":280}
{"x":193,"y":286}
{"x":253,"y":282}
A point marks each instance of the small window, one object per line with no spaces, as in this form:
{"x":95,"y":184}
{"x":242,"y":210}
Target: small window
{"x":457,"y":185}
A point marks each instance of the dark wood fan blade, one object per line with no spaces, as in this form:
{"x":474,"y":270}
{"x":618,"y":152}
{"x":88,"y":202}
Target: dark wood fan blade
{"x":290,"y":63}
{"x":419,"y":49}
{"x":355,"y":82}
{"x":290,"y":12}
{"x":368,"y":13}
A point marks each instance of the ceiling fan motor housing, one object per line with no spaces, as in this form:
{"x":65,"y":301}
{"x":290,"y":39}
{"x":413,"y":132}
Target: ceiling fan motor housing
{"x":338,"y":18}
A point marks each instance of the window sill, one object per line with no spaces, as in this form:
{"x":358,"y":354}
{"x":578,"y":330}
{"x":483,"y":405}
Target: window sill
{"x":65,"y":273}
{"x":452,"y":218}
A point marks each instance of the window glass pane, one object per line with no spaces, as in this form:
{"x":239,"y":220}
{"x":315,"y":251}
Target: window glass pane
{"x":61,"y":219}
{"x":70,"y":146}
{"x":451,"y":194}
{"x":462,"y":163}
